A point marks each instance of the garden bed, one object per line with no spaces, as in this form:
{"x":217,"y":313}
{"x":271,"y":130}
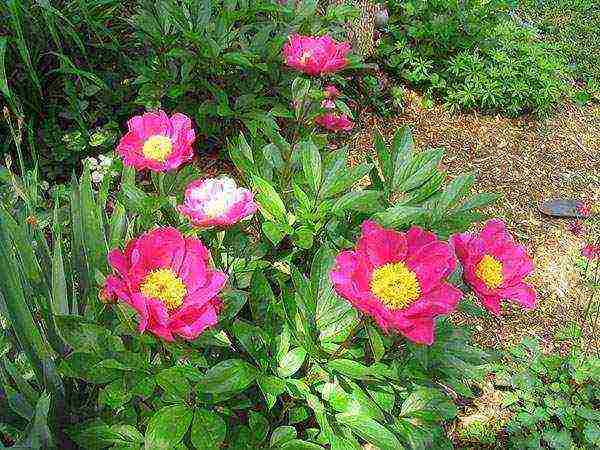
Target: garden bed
{"x":527,"y":160}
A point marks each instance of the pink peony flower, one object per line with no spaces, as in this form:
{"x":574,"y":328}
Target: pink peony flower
{"x":217,"y":202}
{"x":165,"y":277}
{"x":591,"y":251}
{"x":335,"y":122}
{"x":331,"y":92}
{"x":398,"y":279}
{"x":156,"y":142}
{"x":315,"y":55}
{"x":495,"y":266}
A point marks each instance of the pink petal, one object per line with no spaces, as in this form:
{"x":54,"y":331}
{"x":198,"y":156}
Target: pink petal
{"x":381,"y":246}
{"x":522,"y":293}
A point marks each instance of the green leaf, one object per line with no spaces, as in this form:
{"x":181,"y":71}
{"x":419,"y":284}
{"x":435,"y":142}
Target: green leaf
{"x":345,"y":179}
{"x":14,"y":305}
{"x":402,"y":151}
{"x":60,"y":301}
{"x":38,"y":434}
{"x":259,"y":426}
{"x":174,"y":382}
{"x":311,"y":164}
{"x":238,"y":59}
{"x":262,"y":300}
{"x":591,"y":432}
{"x":304,"y":237}
{"x":334,"y":316}
{"x":282,"y":435}
{"x":300,"y":88}
{"x":118,"y":224}
{"x":399,"y":216}
{"x":208,"y":430}
{"x":273,"y":232}
{"x":291,"y":362}
{"x":167,"y":427}
{"x":376,"y":343}
{"x":429,"y":402}
{"x":349,"y":368}
{"x":231,"y":375}
{"x":93,"y":229}
{"x":361,"y":201}
{"x":457,"y":189}
{"x":233,"y":302}
{"x":88,"y":337}
{"x":370,"y":430}
{"x":253,"y":340}
{"x":423,"y":166}
{"x":478,"y":201}
{"x":270,"y":202}
{"x":384,"y":157}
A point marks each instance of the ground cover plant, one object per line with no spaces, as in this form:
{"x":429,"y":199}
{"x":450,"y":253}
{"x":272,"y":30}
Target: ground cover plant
{"x":473,"y":55}
{"x":299,"y":306}
{"x":570,"y":26}
{"x":547,"y":401}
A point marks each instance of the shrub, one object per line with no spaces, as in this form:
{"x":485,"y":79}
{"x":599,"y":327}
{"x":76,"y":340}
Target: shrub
{"x":572,"y":27}
{"x":474,"y":56}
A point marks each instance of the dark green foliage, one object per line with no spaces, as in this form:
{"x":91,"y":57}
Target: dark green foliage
{"x":555,"y":399}
{"x":474,"y":55}
{"x":80,"y":72}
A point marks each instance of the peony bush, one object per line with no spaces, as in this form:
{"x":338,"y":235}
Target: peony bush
{"x":300,"y":306}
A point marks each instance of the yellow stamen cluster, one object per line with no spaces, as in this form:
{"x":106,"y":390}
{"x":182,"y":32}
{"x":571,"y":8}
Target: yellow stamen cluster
{"x":395,"y":285}
{"x":166,"y":286}
{"x":157,"y":147}
{"x":489,"y":270}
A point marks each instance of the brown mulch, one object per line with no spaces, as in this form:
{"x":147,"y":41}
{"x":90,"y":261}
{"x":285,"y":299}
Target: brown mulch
{"x":527,"y":160}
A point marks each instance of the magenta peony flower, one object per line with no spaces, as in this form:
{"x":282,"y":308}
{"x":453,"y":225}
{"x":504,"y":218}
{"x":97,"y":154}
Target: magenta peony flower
{"x":398,"y":279}
{"x":217,"y":202}
{"x":165,"y":277}
{"x":494,"y":266}
{"x":591,"y":251}
{"x":315,"y":55}
{"x":331,"y":92}
{"x":157,"y":142}
{"x":335,"y":122}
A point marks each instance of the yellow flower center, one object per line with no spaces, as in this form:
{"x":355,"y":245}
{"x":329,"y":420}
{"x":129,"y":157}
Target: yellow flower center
{"x":165,"y":286}
{"x":157,"y":147}
{"x":489,"y":270}
{"x":395,"y":285}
